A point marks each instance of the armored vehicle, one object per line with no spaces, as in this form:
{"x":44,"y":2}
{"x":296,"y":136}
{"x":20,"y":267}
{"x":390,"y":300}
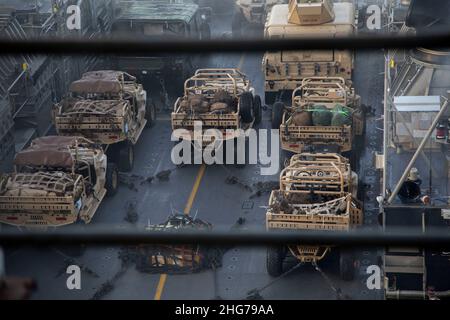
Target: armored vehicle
{"x":317,"y":192}
{"x":57,"y":181}
{"x":160,"y":20}
{"x":284,"y":70}
{"x":251,"y":12}
{"x":221,"y":99}
{"x":325,"y":112}
{"x":108,"y":107}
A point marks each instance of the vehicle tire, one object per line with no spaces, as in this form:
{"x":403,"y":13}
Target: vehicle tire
{"x":285,"y":156}
{"x":150,"y":113}
{"x":347,"y":264}
{"x":126,"y":157}
{"x":257,"y":109}
{"x":246,"y":107}
{"x":277,"y":114}
{"x":205,"y":31}
{"x":274,"y":263}
{"x":112,"y":179}
{"x":237,"y":24}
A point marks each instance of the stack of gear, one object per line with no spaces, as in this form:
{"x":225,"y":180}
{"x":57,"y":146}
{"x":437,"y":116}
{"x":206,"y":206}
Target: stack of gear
{"x":307,"y":204}
{"x":196,"y":103}
{"x":342,"y":116}
{"x":222,"y":102}
{"x":176,"y":258}
{"x":302,"y":118}
{"x":41,"y":184}
{"x":320,"y":115}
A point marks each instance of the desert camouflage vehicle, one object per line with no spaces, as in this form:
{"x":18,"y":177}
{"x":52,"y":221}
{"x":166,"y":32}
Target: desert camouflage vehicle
{"x":57,"y":181}
{"x":325,"y":113}
{"x":284,"y":70}
{"x":317,"y":192}
{"x":160,"y":20}
{"x":251,"y":12}
{"x":221,"y":99}
{"x":109,"y":108}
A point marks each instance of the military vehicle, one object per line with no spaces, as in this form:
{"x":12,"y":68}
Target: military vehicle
{"x":108,"y":107}
{"x":325,"y":113}
{"x":160,"y":20}
{"x":57,"y":181}
{"x":251,"y":12}
{"x":284,"y":70}
{"x":317,"y":192}
{"x":218,"y":99}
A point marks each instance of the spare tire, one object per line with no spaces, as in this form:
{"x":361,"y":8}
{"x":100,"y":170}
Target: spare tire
{"x":321,"y":116}
{"x":246,"y":107}
{"x":342,"y":116}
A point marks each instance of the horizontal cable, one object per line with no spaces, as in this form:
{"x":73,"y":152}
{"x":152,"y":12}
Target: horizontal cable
{"x":438,"y":238}
{"x":144,"y":47}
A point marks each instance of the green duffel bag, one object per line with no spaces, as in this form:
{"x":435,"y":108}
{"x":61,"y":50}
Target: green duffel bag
{"x":321,"y":116}
{"x":342,"y":116}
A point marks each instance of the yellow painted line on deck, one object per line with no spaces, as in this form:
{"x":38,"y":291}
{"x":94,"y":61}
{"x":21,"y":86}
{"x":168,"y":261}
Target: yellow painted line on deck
{"x":241,"y":61}
{"x":201,"y":173}
{"x":160,"y":287}
{"x":187,"y":210}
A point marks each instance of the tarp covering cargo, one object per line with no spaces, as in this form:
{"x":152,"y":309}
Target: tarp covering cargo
{"x":107,"y":81}
{"x":51,"y":151}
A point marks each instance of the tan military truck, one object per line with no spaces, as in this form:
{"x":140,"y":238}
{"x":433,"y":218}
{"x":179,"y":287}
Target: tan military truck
{"x":251,"y":12}
{"x":221,"y":99}
{"x":109,"y":108}
{"x":57,"y":181}
{"x":325,"y":113}
{"x":300,"y":19}
{"x":317,"y":192}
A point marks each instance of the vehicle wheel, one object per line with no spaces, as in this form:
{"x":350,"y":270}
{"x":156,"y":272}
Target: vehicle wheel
{"x":126,"y":157}
{"x":237,"y":24}
{"x":275,"y":257}
{"x":285,"y":157}
{"x":257,"y":109}
{"x":112,"y":179}
{"x":205,"y":31}
{"x":150,"y":114}
{"x":347,"y":264}
{"x":277,"y":114}
{"x":246,"y":107}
